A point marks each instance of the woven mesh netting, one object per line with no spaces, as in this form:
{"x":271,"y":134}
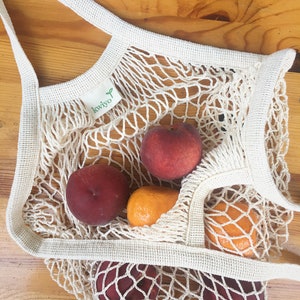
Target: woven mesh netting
{"x":159,"y":90}
{"x":113,"y":280}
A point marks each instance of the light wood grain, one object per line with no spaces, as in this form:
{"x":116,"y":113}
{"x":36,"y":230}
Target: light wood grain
{"x":248,"y":25}
{"x":61,"y":46}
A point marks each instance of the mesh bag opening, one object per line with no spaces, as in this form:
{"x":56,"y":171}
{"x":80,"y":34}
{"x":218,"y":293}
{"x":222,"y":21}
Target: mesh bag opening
{"x":160,"y":90}
{"x":206,"y":96}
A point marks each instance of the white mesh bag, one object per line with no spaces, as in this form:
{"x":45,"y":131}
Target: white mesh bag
{"x":238,"y":103}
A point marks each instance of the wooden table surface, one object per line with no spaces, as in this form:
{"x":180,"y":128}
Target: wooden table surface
{"x":61,"y":46}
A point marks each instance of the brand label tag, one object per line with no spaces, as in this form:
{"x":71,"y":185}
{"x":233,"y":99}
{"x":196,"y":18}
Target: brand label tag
{"x":103,"y":98}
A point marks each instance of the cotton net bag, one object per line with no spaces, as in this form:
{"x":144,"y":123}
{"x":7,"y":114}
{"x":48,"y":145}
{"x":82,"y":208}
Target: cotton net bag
{"x":238,"y":103}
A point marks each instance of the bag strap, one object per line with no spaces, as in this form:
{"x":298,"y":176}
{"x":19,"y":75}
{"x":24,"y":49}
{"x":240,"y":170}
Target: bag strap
{"x":28,"y":143}
{"x":254,"y":128}
{"x":168,"y":254}
{"x":129,"y":34}
{"x":27,"y":73}
{"x":97,"y":15}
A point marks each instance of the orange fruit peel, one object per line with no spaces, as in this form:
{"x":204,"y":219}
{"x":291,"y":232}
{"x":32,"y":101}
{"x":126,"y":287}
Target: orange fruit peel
{"x":232,"y":228}
{"x":146,"y":204}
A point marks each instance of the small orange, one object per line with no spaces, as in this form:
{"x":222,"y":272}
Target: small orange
{"x":231,"y":228}
{"x":148,"y":203}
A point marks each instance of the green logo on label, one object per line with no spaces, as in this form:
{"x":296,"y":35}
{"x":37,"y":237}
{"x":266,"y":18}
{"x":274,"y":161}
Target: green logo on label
{"x":109,"y":92}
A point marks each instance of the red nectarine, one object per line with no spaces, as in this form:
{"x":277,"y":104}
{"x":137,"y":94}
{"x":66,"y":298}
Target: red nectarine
{"x":219,"y":287}
{"x":171,"y":152}
{"x":97,"y":194}
{"x":125,"y":281}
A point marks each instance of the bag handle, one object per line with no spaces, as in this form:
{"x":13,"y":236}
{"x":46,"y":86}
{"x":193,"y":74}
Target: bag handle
{"x":169,"y":254}
{"x":254,"y":127}
{"x":131,"y":35}
{"x":26,"y":70}
{"x":29,"y":130}
{"x":98,"y":16}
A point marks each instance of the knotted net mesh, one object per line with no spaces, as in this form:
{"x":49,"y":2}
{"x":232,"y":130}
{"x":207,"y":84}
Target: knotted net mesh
{"x":155,"y":90}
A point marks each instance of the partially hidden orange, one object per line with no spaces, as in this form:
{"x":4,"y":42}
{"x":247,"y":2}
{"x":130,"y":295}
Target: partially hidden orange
{"x":148,"y":203}
{"x":232,"y":228}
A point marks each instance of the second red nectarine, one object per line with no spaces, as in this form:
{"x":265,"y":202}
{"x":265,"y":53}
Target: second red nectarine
{"x":171,"y":152}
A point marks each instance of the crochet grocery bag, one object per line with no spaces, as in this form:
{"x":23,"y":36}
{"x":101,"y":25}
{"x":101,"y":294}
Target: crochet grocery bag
{"x":238,"y":103}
